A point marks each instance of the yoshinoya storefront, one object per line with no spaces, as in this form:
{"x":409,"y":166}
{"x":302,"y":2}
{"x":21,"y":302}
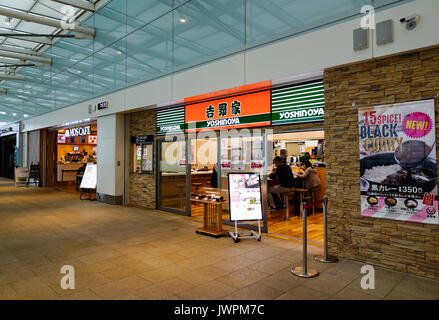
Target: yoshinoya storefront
{"x":378,"y":144}
{"x":198,"y":143}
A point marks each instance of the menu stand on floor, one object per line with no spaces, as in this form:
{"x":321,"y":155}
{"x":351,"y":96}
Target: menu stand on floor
{"x":252,"y":235}
{"x":212,"y":218}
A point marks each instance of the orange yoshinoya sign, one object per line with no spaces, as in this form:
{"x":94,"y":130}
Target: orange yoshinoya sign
{"x":243,"y":111}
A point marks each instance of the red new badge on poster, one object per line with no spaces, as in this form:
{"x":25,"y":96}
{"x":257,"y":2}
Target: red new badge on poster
{"x":428,"y":199}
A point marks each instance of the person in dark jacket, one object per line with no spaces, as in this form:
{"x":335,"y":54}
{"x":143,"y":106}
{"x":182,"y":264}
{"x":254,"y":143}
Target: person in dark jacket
{"x":283,"y":173}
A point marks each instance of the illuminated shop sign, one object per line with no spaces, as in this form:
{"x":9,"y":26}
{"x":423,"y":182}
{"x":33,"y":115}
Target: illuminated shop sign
{"x":170,"y":120}
{"x":298,"y":104}
{"x":244,"y":111}
{"x":102,"y":105}
{"x":81,"y":131}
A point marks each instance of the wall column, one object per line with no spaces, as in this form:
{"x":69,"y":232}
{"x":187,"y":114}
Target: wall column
{"x":110,"y":182}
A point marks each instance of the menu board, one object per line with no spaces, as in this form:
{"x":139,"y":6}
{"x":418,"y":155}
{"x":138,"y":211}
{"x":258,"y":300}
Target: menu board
{"x":245,"y":197}
{"x":398,"y":162}
{"x":89,"y":180}
{"x":147,"y":158}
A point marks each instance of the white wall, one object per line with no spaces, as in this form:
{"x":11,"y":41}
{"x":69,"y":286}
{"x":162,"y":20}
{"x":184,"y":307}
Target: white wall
{"x":23,"y":149}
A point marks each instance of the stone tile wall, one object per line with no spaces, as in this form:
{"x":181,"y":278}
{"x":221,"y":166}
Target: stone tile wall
{"x":142,"y":188}
{"x":404,"y":246}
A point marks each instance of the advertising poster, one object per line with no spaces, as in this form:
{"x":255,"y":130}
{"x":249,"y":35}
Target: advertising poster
{"x":245,"y":197}
{"x":398,"y":162}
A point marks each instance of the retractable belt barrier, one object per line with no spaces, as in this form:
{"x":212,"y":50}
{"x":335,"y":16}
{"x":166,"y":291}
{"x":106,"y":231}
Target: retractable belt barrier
{"x":325,"y":258}
{"x":304,"y":271}
{"x":312,"y":204}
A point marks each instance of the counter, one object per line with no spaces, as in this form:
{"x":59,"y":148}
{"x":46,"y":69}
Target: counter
{"x":69,"y":175}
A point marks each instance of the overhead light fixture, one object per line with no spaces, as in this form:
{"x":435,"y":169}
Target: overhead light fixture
{"x":183,"y":20}
{"x":2,"y":112}
{"x":7,"y":21}
{"x":119,"y":52}
{"x":26,"y":115}
{"x":14,"y":114}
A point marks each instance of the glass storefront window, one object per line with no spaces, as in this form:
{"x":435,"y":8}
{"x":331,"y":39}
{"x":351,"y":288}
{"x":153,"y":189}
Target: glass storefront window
{"x":172,"y":175}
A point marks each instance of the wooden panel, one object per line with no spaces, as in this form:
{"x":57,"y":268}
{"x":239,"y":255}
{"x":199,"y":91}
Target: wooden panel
{"x":51,"y":158}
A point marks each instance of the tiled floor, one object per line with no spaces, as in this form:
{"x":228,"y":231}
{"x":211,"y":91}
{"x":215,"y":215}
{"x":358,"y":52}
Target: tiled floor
{"x":127,"y":253}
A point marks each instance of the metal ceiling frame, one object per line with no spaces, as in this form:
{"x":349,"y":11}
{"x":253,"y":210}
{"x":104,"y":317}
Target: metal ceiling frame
{"x":17,"y":57}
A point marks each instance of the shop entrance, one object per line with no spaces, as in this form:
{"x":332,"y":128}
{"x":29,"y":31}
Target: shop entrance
{"x":211,"y":159}
{"x":7,"y":154}
{"x":295,"y":148}
{"x":76,"y":146}
{"x":172,"y":179}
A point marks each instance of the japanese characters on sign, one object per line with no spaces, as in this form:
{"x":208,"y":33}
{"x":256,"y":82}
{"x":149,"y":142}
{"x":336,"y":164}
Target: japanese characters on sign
{"x":249,"y":110}
{"x":398,"y":162}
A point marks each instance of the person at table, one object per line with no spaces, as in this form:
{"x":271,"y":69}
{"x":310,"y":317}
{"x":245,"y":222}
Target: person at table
{"x":312,"y":180}
{"x":283,"y":173}
{"x":214,"y":177}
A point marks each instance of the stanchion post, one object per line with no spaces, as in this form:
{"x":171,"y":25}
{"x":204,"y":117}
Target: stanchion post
{"x":303,"y":271}
{"x":325,"y":258}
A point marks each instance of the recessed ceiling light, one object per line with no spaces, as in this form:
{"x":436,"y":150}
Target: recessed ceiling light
{"x":2,"y":112}
{"x":119,"y":52}
{"x":14,"y":114}
{"x":26,"y":115}
{"x":7,"y":21}
{"x":78,"y":71}
{"x":183,"y":20}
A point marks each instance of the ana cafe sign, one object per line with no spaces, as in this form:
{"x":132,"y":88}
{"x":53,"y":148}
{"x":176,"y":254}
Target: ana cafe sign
{"x":81,"y":131}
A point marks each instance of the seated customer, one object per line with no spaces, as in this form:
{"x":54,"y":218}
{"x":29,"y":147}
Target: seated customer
{"x":312,"y":180}
{"x":286,"y":178}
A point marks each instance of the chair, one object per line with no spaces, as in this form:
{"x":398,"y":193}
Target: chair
{"x":312,"y":195}
{"x":287,"y":195}
{"x":197,"y":186}
{"x":21,"y":176}
{"x":79,"y":176}
{"x":34,"y":174}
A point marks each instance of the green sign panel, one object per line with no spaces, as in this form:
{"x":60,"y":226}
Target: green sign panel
{"x":170,"y":121}
{"x":298,"y":104}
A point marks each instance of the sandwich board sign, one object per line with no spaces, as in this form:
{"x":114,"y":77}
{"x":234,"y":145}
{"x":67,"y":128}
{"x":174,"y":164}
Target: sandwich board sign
{"x":245,"y":197}
{"x":89,"y":180}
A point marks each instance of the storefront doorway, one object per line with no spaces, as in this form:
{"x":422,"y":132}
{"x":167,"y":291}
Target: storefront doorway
{"x":295,"y":147}
{"x":75,"y":147}
{"x":172,"y":178}
{"x":7,"y":156}
{"x":211,"y":159}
